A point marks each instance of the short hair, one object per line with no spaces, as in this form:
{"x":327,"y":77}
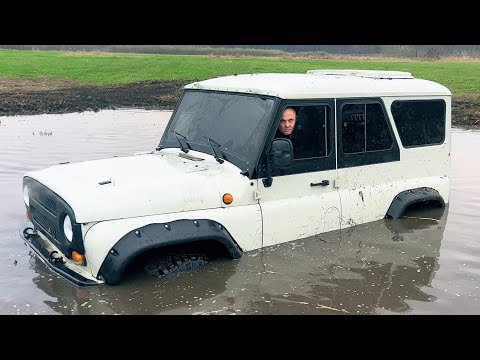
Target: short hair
{"x":290,"y":108}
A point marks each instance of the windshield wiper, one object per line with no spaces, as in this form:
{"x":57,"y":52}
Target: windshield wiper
{"x":218,"y":158}
{"x":184,"y":148}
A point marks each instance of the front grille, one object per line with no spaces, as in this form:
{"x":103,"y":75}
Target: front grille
{"x":48,"y":204}
{"x":45,"y":223}
{"x":47,"y":211}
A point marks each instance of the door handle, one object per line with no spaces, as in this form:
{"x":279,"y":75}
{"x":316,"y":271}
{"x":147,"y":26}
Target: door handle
{"x":323,"y":183}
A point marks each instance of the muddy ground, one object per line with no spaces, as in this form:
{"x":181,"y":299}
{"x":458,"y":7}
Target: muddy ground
{"x":24,"y":97}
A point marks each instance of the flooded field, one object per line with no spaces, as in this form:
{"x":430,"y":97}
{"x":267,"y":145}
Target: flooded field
{"x":426,"y":263}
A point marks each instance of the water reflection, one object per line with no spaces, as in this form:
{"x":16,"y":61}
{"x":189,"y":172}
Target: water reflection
{"x":139,"y":293}
{"x":364,"y":270}
{"x":368,"y":269}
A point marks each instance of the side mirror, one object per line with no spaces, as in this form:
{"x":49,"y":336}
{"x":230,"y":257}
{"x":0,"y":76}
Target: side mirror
{"x":281,"y":154}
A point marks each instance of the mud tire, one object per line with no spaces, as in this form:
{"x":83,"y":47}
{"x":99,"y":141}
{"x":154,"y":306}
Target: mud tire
{"x":174,"y":263}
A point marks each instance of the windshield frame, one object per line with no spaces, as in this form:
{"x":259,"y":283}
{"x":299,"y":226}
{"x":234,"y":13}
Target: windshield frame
{"x":246,"y":164}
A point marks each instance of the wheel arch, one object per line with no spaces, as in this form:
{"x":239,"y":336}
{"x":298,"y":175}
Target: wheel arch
{"x":153,"y":236}
{"x":413,"y":196}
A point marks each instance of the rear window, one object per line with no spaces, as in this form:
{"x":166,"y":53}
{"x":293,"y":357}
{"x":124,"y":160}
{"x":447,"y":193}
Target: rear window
{"x":419,"y":122}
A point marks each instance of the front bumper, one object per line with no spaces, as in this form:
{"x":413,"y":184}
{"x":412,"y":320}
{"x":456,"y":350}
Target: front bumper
{"x":51,"y":256}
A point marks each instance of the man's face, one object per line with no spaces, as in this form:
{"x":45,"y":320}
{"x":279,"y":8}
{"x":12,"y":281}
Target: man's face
{"x":287,"y":122}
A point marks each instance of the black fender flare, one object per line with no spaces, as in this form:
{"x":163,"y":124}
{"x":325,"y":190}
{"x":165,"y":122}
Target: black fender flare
{"x":156,"y":235}
{"x":408,"y":197}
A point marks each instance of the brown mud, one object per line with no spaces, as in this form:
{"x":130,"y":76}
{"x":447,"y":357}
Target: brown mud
{"x":26,"y":97}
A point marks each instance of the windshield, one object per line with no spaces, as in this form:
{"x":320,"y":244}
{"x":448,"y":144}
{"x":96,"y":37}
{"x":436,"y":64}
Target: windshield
{"x":236,"y":123}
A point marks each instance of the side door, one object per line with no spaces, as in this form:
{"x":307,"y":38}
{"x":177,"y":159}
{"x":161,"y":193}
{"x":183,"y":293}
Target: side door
{"x":302,"y":200}
{"x":369,"y":169}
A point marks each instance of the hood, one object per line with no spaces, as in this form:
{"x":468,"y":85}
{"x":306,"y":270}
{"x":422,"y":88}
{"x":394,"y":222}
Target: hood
{"x":137,"y":185}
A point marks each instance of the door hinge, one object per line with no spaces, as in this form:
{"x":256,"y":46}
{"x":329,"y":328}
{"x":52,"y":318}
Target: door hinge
{"x":257,"y":194}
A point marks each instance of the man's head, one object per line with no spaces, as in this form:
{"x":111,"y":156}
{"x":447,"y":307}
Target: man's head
{"x":287,"y":122}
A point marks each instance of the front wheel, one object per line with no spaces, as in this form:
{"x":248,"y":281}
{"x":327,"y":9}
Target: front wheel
{"x":174,"y":263}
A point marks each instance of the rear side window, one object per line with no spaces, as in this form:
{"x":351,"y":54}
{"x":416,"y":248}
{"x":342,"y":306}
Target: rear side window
{"x":419,"y":122}
{"x":365,"y":134}
{"x":364,"y":128}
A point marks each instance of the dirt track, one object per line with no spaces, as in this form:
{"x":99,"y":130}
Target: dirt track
{"x":23,"y":97}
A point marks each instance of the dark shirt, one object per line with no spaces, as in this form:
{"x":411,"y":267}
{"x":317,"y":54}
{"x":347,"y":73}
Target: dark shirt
{"x":279,"y":134}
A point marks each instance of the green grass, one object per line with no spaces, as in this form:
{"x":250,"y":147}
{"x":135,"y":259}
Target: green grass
{"x":461,"y":77}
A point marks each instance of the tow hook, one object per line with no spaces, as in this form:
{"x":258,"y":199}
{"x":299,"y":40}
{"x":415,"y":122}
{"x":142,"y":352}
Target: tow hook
{"x":28,"y":232}
{"x":55,"y":258}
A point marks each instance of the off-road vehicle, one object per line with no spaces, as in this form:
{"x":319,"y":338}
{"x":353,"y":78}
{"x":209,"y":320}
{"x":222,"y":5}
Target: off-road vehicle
{"x":366,"y":145}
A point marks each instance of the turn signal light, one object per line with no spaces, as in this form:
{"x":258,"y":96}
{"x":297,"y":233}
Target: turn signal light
{"x":77,"y":258}
{"x":227,"y":198}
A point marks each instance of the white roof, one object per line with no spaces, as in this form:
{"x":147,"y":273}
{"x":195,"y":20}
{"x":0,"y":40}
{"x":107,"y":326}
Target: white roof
{"x":325,"y":84}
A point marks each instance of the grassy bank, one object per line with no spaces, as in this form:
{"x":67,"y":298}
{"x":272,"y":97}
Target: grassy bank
{"x":461,"y":77}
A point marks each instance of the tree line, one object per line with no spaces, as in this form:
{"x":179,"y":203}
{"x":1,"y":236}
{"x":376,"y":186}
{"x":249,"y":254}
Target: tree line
{"x":410,"y":51}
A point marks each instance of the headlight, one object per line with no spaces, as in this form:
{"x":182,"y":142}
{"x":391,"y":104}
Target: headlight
{"x":25,"y":195}
{"x":67,"y":228}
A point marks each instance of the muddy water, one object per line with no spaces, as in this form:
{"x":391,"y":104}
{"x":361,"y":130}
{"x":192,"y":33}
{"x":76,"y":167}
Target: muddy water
{"x":427,"y":263}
